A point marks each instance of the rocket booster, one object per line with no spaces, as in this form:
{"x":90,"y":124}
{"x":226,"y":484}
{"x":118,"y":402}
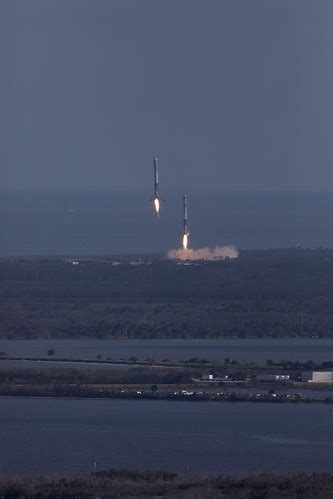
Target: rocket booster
{"x":156,"y":186}
{"x":156,"y":196}
{"x":185,"y":214}
{"x":185,"y":227}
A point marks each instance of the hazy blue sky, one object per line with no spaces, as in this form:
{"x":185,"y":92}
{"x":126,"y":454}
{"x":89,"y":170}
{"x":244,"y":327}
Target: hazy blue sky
{"x":230,"y":94}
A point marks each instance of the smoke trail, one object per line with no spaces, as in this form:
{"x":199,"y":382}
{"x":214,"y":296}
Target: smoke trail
{"x":217,"y":253}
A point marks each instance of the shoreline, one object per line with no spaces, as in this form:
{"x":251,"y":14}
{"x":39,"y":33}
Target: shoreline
{"x":177,"y":339}
{"x":183,"y":397}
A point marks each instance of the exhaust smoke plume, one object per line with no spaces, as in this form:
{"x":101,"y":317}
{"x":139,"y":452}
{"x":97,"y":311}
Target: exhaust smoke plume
{"x":217,"y":253}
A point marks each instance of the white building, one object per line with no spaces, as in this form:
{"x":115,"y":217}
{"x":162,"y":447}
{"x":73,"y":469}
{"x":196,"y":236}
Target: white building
{"x":273,"y":377}
{"x":317,"y":376}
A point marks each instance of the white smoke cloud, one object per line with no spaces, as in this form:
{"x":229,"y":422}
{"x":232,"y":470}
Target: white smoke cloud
{"x":217,"y":253}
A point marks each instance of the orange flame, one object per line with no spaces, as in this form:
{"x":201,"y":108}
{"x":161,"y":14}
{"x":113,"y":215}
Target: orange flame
{"x":185,"y":241}
{"x":157,"y":205}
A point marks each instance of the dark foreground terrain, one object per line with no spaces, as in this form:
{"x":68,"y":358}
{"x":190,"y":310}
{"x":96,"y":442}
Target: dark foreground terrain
{"x":265,"y":294}
{"x":162,"y":484}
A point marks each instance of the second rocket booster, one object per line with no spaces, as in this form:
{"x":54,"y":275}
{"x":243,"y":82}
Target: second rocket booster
{"x":185,"y":214}
{"x":185,"y":228}
{"x":156,"y":187}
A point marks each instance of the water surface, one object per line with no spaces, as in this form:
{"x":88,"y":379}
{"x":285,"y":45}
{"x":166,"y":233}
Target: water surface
{"x":64,"y":435}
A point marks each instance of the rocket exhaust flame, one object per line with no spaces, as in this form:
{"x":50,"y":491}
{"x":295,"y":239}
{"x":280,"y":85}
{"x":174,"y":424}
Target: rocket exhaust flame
{"x":157,"y":205}
{"x":185,"y":241}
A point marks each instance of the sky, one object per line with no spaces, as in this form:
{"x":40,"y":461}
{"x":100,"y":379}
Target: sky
{"x":229,"y":94}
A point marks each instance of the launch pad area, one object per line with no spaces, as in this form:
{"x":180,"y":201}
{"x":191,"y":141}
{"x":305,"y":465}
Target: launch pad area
{"x":261,"y":294}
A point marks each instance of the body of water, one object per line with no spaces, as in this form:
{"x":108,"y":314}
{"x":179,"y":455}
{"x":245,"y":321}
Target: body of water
{"x":318,"y":350}
{"x":52,"y":436}
{"x":28,"y":364}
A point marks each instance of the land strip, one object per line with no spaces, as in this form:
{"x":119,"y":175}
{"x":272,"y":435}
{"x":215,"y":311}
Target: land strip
{"x":177,"y":382}
{"x":125,"y":483}
{"x":262,"y":294}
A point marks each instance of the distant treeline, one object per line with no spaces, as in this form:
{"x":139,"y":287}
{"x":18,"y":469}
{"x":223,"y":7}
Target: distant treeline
{"x":263,"y":294}
{"x":76,"y":377}
{"x":121,"y":483}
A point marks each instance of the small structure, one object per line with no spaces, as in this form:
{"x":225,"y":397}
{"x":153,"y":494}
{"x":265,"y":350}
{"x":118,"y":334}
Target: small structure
{"x":317,"y":376}
{"x":208,"y":377}
{"x":266,"y":378}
